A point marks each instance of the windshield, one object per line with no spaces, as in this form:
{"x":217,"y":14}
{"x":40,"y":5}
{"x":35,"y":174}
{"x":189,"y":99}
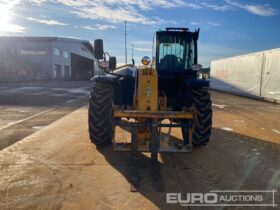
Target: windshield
{"x":176,"y":53}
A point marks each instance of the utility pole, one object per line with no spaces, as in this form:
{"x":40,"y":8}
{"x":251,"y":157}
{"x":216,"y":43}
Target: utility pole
{"x":125,"y":36}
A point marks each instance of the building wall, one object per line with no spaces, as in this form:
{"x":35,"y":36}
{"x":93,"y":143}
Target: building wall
{"x":39,"y":58}
{"x":59,"y":61}
{"x":36,"y":55}
{"x":22,"y":60}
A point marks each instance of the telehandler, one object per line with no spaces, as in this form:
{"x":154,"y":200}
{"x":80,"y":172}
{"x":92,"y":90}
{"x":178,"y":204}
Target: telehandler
{"x":163,"y":93}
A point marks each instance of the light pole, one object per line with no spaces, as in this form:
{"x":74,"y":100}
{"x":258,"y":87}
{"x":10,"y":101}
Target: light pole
{"x":125,"y":35}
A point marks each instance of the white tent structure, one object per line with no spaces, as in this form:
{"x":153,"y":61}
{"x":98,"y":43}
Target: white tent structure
{"x":256,"y":75}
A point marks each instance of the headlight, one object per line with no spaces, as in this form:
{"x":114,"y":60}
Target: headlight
{"x":146,"y":60}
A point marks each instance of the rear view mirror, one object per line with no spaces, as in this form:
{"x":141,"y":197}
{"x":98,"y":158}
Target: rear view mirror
{"x":112,"y":62}
{"x":98,"y":49}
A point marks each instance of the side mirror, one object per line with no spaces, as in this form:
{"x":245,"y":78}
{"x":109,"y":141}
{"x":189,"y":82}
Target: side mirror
{"x":112,"y":62}
{"x":98,"y":49}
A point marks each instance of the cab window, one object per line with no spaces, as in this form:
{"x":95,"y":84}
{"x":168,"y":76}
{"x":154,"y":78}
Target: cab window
{"x":175,"y":53}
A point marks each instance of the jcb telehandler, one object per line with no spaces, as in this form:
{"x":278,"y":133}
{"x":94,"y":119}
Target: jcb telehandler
{"x":163,"y":93}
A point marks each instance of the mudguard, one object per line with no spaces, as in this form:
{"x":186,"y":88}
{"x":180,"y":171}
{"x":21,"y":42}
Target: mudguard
{"x":105,"y":78}
{"x":196,"y":83}
{"x":123,"y":88}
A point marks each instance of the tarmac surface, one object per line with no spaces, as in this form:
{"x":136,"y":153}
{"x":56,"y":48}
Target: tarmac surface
{"x":28,"y":107}
{"x":58,"y":168}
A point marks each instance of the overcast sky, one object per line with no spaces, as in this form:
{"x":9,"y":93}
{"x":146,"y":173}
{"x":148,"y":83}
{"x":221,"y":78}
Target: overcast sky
{"x":228,"y":27}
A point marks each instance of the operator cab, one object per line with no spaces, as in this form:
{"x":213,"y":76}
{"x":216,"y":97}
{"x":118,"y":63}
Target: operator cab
{"x":174,"y":58}
{"x":175,"y":50}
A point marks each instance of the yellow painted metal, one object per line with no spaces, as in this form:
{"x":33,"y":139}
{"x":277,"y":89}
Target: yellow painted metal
{"x":147,"y":90}
{"x":150,"y":104}
{"x":153,"y":114}
{"x":146,"y":99}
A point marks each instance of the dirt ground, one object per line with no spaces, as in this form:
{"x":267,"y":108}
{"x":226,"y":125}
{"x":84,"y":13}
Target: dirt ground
{"x":58,"y":168}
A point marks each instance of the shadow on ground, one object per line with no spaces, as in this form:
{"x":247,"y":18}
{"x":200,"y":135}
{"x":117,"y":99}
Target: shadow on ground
{"x":229,"y":162}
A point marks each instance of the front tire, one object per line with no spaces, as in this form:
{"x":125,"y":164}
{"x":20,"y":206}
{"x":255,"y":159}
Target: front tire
{"x":203,"y":118}
{"x":100,"y":121}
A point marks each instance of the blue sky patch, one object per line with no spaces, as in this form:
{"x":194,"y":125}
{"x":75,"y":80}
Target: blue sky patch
{"x":228,"y":27}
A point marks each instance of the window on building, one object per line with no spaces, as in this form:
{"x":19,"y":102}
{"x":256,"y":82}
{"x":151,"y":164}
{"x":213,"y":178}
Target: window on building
{"x":65,"y":54}
{"x":56,"y":52}
{"x":57,"y":71}
{"x":67,"y":73}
